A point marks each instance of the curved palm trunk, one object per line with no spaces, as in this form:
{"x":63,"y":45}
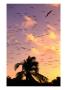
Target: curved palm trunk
{"x":28,"y":76}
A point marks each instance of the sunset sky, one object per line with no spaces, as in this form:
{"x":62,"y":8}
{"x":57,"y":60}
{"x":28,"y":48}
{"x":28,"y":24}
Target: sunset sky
{"x":31,"y":32}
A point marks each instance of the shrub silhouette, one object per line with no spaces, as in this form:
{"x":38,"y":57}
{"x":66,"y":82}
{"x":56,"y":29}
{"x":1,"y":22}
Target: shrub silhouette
{"x":56,"y":81}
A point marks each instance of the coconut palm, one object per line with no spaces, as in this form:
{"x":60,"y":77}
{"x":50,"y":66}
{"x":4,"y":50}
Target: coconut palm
{"x":29,"y":68}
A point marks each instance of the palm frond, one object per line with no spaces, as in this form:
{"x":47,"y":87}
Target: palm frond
{"x":17,"y":65}
{"x":40,"y":77}
{"x":19,"y":75}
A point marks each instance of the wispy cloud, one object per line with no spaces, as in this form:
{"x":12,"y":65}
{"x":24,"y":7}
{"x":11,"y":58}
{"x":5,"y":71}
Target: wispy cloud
{"x":29,"y":22}
{"x":50,"y":27}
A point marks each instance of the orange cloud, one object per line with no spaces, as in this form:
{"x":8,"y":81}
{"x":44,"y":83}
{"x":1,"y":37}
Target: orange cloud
{"x":52,"y":32}
{"x":29,"y":22}
{"x":35,"y":51}
{"x":31,"y":37}
{"x":41,"y":46}
{"x":45,"y":47}
{"x":52,"y":35}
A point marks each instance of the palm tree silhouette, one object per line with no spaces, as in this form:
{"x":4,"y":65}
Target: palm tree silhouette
{"x":29,"y":68}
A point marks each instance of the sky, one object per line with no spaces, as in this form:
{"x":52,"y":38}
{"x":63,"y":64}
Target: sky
{"x":34,"y":30}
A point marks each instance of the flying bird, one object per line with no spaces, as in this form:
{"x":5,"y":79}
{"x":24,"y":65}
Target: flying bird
{"x":48,"y":13}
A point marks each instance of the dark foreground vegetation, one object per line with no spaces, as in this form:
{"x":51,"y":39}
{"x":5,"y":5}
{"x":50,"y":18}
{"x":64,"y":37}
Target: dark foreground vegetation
{"x":15,"y":82}
{"x":29,"y":71}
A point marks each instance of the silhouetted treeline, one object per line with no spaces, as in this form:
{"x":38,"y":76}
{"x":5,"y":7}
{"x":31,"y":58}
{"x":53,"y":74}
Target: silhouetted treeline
{"x":29,"y":71}
{"x":32,"y":82}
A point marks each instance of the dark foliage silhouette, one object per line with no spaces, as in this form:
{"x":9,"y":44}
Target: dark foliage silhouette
{"x":56,"y":81}
{"x":30,"y":71}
